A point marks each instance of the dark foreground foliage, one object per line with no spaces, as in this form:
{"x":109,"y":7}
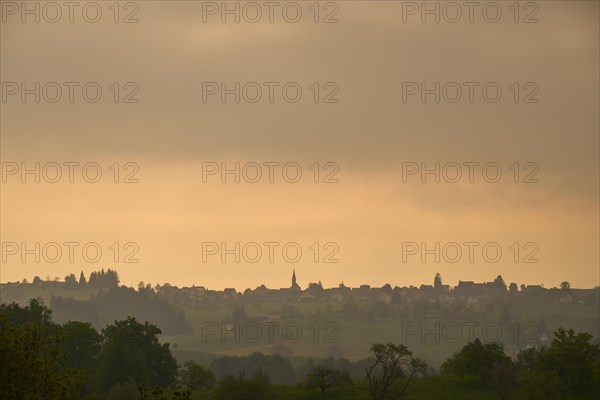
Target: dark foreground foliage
{"x":40,"y":359}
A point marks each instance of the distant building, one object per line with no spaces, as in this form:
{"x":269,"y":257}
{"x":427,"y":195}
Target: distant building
{"x":566,"y":298}
{"x":534,"y":289}
{"x":307,"y":298}
{"x":295,"y":285}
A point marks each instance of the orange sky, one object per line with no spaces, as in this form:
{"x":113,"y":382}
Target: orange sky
{"x":370,"y":135}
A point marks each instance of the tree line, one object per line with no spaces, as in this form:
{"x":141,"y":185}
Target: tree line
{"x":119,"y":302}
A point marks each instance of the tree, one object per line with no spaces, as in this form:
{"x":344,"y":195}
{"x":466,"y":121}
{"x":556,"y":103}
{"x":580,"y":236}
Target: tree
{"x":81,"y":344}
{"x":566,"y":365}
{"x":194,"y":376}
{"x":35,"y":313}
{"x":112,"y":278}
{"x":71,"y":280}
{"x":32,"y":363}
{"x":565,"y":285}
{"x":572,"y":357}
{"x":530,"y":359}
{"x":102,"y":279}
{"x":387,"y":289}
{"x":499,"y":283}
{"x":131,"y":352}
{"x":120,"y":302}
{"x":389,"y":367}
{"x":323,"y":378}
{"x":477,"y":359}
{"x":82,"y":281}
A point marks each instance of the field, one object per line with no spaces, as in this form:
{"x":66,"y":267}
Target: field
{"x":436,"y":387}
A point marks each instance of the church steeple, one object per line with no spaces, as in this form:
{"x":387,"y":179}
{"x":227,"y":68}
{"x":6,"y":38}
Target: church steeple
{"x":294,"y":284}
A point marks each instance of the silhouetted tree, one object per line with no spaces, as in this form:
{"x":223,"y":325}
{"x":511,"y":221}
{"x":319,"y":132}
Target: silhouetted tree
{"x":392,"y":363}
{"x":81,"y":342}
{"x":71,"y":281}
{"x":32,"y":365}
{"x":477,"y":359}
{"x":131,"y":352}
{"x":499,"y":282}
{"x":82,"y":280}
{"x":571,"y":355}
{"x":323,"y":378}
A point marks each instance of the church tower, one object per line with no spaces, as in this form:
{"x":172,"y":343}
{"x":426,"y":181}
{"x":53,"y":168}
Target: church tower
{"x":294,"y":284}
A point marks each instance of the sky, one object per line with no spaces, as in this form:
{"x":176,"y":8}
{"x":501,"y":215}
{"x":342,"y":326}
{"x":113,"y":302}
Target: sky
{"x":165,"y":133}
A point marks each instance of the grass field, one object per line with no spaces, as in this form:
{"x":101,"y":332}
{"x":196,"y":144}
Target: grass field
{"x":428,"y":388}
